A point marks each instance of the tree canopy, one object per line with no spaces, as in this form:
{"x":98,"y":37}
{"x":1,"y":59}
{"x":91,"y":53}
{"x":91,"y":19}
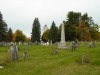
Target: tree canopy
{"x":36,"y":31}
{"x":81,"y":27}
{"x":18,"y":36}
{"x":77,"y":26}
{"x":3,"y":29}
{"x":10,"y":35}
{"x":53,"y":33}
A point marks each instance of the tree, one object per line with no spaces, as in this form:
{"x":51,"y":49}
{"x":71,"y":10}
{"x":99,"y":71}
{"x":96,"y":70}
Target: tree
{"x":45,"y":36}
{"x":36,"y":33}
{"x":3,"y":29}
{"x":73,"y":18}
{"x":53,"y":33}
{"x":19,"y":36}
{"x":85,"y":35}
{"x":73,"y":27}
{"x":94,"y":32}
{"x":27,"y":39}
{"x":72,"y":22}
{"x":10,"y":35}
{"x":69,"y":32}
{"x":88,"y":20}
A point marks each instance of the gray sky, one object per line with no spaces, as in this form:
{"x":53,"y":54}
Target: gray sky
{"x":19,"y":14}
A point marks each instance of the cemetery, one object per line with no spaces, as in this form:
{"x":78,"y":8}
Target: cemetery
{"x":50,"y":60}
{"x":43,"y":57}
{"x":49,"y":37}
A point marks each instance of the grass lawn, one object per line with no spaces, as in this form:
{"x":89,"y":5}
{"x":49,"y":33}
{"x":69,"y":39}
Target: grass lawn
{"x":42,"y":61}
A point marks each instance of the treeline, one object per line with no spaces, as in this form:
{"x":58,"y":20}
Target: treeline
{"x":77,"y":26}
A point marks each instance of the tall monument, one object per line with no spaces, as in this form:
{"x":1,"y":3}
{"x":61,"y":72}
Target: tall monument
{"x":62,"y":43}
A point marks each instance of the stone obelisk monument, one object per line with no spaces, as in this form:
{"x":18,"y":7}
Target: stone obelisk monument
{"x":62,"y":43}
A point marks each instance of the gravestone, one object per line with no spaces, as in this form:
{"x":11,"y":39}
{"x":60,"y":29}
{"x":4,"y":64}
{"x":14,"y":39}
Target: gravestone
{"x":73,"y":45}
{"x":83,"y":59}
{"x":62,"y":43}
{"x":25,"y":54}
{"x":14,"y":52}
{"x":93,"y":43}
{"x":55,"y":52}
{"x":47,"y":43}
{"x":90,"y":44}
{"x":51,"y":42}
{"x":25,"y":51}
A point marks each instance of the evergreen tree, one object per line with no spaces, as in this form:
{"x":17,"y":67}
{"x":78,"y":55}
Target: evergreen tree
{"x":3,"y":29}
{"x":73,"y":18}
{"x":72,"y":22}
{"x":10,"y":35}
{"x":53,"y":33}
{"x":69,"y":32}
{"x":36,"y":33}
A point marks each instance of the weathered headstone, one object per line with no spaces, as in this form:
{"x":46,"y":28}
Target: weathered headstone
{"x":83,"y":59}
{"x":62,"y":43}
{"x":25,"y":55}
{"x":51,"y":42}
{"x":16,"y":48}
{"x":73,"y":46}
{"x":14,"y":52}
{"x":93,"y":43}
{"x":55,"y":52}
{"x":90,"y":44}
{"x":47,"y":43}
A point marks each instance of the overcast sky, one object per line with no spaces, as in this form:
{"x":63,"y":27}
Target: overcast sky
{"x":19,"y":14}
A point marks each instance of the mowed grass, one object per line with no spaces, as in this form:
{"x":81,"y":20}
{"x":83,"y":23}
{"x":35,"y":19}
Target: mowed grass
{"x":42,"y":61}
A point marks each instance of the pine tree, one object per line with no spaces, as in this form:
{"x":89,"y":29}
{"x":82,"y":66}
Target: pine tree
{"x":10,"y":35}
{"x":53,"y":33}
{"x":3,"y":29}
{"x":36,"y":33}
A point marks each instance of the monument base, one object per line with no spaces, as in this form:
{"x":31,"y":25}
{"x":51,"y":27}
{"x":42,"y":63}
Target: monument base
{"x":62,"y":45}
